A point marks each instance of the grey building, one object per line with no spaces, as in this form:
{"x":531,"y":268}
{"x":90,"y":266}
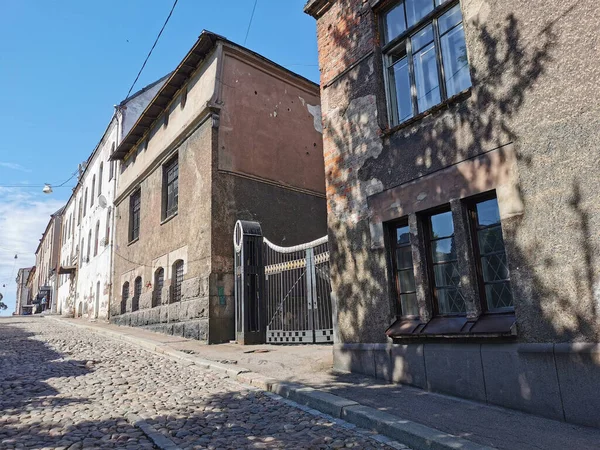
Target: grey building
{"x":23,"y":299}
{"x":230,"y":135}
{"x":461,"y":150}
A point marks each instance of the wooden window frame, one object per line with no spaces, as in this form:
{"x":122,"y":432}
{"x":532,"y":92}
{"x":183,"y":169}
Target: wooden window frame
{"x":403,"y":39}
{"x":172,"y":163}
{"x":134,"y":232}
{"x":471,"y":207}
{"x":425,"y":219}
{"x":393,"y":246}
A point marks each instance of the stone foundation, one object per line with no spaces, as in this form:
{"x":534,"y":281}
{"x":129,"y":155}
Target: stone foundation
{"x":558,"y":381}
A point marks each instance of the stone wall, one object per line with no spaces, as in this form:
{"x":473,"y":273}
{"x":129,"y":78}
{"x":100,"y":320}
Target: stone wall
{"x":187,"y":318}
{"x":525,"y":62}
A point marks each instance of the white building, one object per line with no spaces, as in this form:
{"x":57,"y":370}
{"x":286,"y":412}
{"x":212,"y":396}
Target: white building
{"x":22,"y":304}
{"x":86,"y":250}
{"x":69,"y":253}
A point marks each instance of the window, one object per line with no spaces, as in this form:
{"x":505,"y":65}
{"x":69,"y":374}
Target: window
{"x":89,"y":246}
{"x":492,"y":267}
{"x":177,"y":279}
{"x":85,"y":199}
{"x":134,"y":216}
{"x":404,"y":276}
{"x":111,"y":167}
{"x":97,"y":240}
{"x":184,"y":93}
{"x":81,"y":254}
{"x":107,"y":237}
{"x":170,"y":187}
{"x":93,"y":187}
{"x":425,"y":56}
{"x":79,"y":213}
{"x":159,"y":281}
{"x":100,"y":174}
{"x":443,"y":265}
{"x":124,"y":297}
{"x":137,"y":291}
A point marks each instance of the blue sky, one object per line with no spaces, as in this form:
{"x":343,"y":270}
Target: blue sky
{"x":65,"y":63}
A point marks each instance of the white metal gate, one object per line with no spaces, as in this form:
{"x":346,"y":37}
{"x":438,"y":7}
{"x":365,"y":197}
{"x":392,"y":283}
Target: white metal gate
{"x":297,"y":293}
{"x":283,"y":294}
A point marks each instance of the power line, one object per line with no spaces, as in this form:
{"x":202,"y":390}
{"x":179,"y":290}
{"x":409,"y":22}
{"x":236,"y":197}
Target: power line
{"x":250,"y":23}
{"x":150,"y":52}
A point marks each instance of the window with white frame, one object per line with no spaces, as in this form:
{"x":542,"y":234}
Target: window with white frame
{"x":425,"y":56}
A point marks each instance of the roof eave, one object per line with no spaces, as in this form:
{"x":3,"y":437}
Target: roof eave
{"x":162,"y":99}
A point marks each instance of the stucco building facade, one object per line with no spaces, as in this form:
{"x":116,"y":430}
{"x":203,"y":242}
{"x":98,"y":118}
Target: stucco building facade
{"x":460,"y":148}
{"x":230,"y":135}
{"x":47,"y":257}
{"x":23,"y":298}
{"x":86,"y":244}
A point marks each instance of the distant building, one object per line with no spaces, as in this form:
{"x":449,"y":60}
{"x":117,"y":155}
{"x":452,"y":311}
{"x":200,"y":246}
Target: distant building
{"x":86,"y":250}
{"x":23,"y":300}
{"x":47,"y":257}
{"x":230,"y":135}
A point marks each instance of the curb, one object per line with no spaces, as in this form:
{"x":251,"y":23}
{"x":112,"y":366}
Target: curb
{"x":159,"y":439}
{"x":413,"y":434}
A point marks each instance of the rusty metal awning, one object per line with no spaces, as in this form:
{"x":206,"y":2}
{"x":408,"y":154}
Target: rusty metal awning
{"x":67,"y":270}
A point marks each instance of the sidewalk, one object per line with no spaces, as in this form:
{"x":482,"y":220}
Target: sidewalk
{"x":418,"y":418}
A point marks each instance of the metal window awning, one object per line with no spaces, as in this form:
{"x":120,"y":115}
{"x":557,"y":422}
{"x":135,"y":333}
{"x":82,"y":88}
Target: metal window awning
{"x":67,"y":270}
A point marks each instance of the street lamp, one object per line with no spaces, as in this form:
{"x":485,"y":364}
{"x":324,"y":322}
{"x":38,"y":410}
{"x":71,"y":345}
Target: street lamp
{"x":47,"y":189}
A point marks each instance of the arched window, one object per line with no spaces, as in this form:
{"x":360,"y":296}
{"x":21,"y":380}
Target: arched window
{"x":89,"y":246}
{"x":79,"y":213}
{"x":81,"y":252}
{"x":159,"y":282}
{"x":100,"y":173}
{"x":176,"y":281}
{"x":93,"y":187}
{"x":96,"y":242}
{"x":124,"y":297}
{"x":137,"y":291}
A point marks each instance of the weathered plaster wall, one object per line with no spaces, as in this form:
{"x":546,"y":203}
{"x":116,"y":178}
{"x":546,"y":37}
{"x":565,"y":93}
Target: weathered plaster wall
{"x":185,"y":236}
{"x":96,"y":268}
{"x":270,"y":123}
{"x":160,"y":138}
{"x":534,"y":88}
{"x":69,"y":256}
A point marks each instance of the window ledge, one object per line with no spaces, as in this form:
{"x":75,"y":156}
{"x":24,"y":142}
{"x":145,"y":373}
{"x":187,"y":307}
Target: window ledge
{"x":487,"y":325}
{"x":133,"y":241}
{"x":461,"y":96}
{"x":169,"y":218}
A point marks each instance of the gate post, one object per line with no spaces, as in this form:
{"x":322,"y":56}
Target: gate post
{"x":250,"y":326}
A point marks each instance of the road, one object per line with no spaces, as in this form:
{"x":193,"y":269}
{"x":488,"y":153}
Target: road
{"x":69,"y":388}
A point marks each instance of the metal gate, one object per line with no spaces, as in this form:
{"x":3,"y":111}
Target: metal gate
{"x":298,"y":292}
{"x":283,"y":291}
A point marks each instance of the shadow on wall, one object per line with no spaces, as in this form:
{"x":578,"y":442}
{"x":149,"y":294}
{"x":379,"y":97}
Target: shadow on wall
{"x":23,"y":386}
{"x":360,"y":156}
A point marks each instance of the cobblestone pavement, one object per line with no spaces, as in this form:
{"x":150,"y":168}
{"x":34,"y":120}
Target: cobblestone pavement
{"x":65,"y":387}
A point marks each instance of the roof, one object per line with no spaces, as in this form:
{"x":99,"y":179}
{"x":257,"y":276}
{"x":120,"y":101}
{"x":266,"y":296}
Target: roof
{"x":144,"y":89}
{"x":177,"y":79}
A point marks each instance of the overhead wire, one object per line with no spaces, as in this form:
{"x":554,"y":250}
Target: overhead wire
{"x":152,"y":49}
{"x":250,"y":23}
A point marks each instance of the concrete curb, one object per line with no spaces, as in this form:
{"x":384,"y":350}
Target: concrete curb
{"x":159,"y":439}
{"x":417,"y":436}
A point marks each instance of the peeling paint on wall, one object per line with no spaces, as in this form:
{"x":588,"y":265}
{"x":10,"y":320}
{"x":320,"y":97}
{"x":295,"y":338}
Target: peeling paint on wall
{"x":315,"y":111}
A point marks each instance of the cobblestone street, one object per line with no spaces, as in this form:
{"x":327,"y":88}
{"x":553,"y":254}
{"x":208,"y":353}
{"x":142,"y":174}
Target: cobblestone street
{"x":64,"y":387}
